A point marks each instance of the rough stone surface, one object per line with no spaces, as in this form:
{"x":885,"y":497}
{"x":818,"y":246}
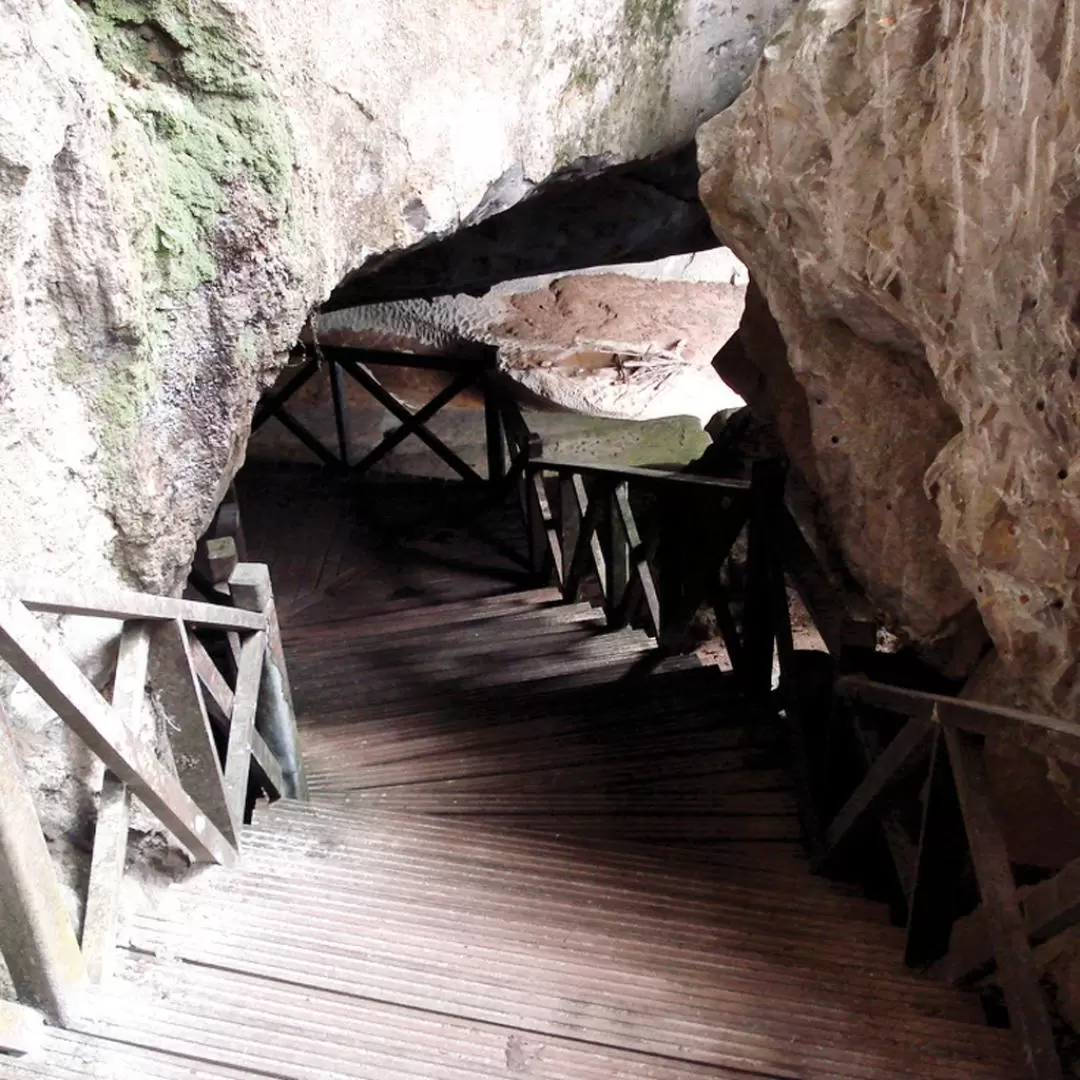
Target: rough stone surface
{"x":628,"y":342}
{"x":903,"y":184}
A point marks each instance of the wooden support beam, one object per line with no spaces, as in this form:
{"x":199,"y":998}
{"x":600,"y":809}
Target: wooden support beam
{"x":337,"y":394}
{"x":111,"y":831}
{"x":265,"y":408}
{"x":902,"y":852}
{"x":1050,"y":908}
{"x":106,"y":874}
{"x":415,"y":423}
{"x":644,"y":477}
{"x":474,"y":358}
{"x":299,"y":431}
{"x":36,"y":936}
{"x":641,"y":583}
{"x":570,"y":522}
{"x":759,"y":626}
{"x":59,"y":682}
{"x":549,"y":558}
{"x":242,"y":727}
{"x":493,"y":432}
{"x":176,"y":687}
{"x":938,"y":865}
{"x":616,"y":554}
{"x":1040,"y":734}
{"x":913,"y":741}
{"x":219,"y":704}
{"x":588,"y":543}
{"x":126,"y":604}
{"x":1028,"y":1013}
{"x":392,"y":405}
{"x":276,"y":718}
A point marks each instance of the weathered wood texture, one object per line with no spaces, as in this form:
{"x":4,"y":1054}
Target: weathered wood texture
{"x":242,"y":727}
{"x":124,"y":604}
{"x":59,"y":682}
{"x":276,"y":717}
{"x":1041,"y":734}
{"x":1019,"y":977}
{"x":36,"y":936}
{"x":22,"y":1030}
{"x":914,"y":739}
{"x":106,"y":872}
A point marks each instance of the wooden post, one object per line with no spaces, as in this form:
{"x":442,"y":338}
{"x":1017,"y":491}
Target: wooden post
{"x":56,"y":678}
{"x":337,"y":393}
{"x":242,"y":724}
{"x":570,"y":522}
{"x":251,"y":591}
{"x":22,"y":1030}
{"x":111,"y":832}
{"x":36,"y":936}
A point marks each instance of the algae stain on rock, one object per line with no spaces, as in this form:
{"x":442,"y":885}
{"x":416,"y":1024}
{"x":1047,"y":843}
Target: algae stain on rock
{"x":628,"y":73}
{"x":186,"y":74}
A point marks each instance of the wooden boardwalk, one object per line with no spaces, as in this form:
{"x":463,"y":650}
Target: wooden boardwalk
{"x":529,"y":853}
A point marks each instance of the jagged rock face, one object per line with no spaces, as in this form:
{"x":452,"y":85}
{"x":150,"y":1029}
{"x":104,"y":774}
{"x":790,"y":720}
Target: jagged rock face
{"x":903,"y":184}
{"x":181,"y":183}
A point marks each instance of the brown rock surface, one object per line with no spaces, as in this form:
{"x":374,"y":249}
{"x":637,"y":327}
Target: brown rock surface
{"x":902,"y":181}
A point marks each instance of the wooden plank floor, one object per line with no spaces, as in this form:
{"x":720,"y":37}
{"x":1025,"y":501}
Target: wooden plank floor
{"x":531,"y":851}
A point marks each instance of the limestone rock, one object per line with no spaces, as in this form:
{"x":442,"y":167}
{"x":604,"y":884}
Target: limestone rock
{"x":631,"y":342}
{"x":901,"y":180}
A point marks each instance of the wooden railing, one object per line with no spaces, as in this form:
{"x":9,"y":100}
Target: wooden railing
{"x":231,"y":737}
{"x":655,"y":545}
{"x":468,"y":368}
{"x":938,"y":752}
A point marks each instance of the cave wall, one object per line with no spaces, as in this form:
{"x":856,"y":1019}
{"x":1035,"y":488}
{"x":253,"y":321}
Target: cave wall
{"x":902,"y":181}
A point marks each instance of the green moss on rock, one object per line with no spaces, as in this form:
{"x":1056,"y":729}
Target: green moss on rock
{"x":187,"y":75}
{"x":629,"y":72}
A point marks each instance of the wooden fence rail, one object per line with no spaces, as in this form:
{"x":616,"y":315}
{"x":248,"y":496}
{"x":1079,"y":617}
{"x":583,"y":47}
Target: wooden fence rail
{"x":942,"y":738}
{"x":231,"y":736}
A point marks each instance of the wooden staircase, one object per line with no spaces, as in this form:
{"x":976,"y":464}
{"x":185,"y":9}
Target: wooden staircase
{"x":531,"y":850}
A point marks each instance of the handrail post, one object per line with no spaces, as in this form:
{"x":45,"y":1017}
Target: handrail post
{"x":493,"y":431}
{"x":251,"y":591}
{"x":36,"y":936}
{"x":760,"y":632}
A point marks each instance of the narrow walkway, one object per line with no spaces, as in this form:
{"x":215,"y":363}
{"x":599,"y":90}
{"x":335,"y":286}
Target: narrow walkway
{"x":527,"y":854}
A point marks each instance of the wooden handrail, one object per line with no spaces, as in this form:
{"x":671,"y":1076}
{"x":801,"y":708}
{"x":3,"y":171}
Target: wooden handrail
{"x":1041,"y":734}
{"x":127,"y":604}
{"x":640,"y":475}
